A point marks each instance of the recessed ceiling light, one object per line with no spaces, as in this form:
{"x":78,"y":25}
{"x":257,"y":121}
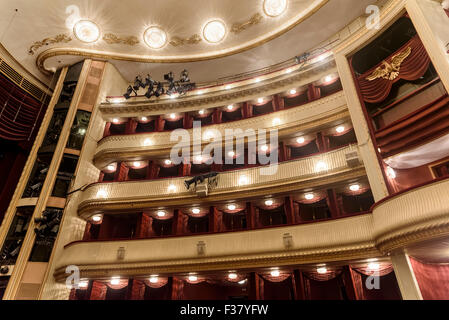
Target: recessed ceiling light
{"x":96,"y":218}
{"x":232,"y":276}
{"x":193,"y":278}
{"x":373,"y":266}
{"x":354,"y":187}
{"x":154,"y":279}
{"x":268,"y":202}
{"x":328,"y":78}
{"x":300,"y":140}
{"x":309,"y":196}
{"x":201,"y":112}
{"x":230,"y":107}
{"x":275,"y":273}
{"x":115,"y":281}
{"x":340,"y":129}
{"x":136,"y":164}
{"x":231,"y":207}
{"x":172,"y":116}
{"x":110,"y":167}
{"x":168,"y":162}
{"x":161,"y":213}
{"x":214,"y":31}
{"x":196,"y":210}
{"x":260,"y":100}
{"x":321,"y":270}
{"x":143,"y":118}
{"x":292,"y":91}
{"x":274,"y":8}
{"x":155,"y":37}
{"x":86,"y":31}
{"x":115,"y":120}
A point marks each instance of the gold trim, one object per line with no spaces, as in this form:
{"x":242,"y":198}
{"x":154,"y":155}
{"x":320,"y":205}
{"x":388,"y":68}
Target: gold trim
{"x":111,"y":38}
{"x":390,"y":71}
{"x":177,"y":41}
{"x":95,"y":54}
{"x":60,"y":38}
{"x":239,"y":27}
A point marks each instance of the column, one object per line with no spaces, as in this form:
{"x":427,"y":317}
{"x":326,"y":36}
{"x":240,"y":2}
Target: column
{"x":406,"y":278}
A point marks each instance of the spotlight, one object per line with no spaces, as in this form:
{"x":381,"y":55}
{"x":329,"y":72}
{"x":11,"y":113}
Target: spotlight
{"x":138,"y":83}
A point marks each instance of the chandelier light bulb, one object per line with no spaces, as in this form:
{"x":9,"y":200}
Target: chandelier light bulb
{"x":214,"y":31}
{"x":155,"y":37}
{"x":86,"y":31}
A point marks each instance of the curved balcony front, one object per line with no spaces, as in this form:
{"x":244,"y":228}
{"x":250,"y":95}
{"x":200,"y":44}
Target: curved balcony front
{"x":418,"y":214}
{"x":320,"y":113}
{"x":310,"y":243}
{"x":314,"y":171}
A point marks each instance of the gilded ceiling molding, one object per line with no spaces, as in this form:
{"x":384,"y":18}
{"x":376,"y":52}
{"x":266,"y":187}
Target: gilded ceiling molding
{"x":104,"y":55}
{"x":111,"y":38}
{"x":60,"y":38}
{"x":242,"y":26}
{"x":177,"y":41}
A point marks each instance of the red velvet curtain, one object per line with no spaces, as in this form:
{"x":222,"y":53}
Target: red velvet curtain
{"x":20,"y":114}
{"x":412,"y":68}
{"x":433,"y":279}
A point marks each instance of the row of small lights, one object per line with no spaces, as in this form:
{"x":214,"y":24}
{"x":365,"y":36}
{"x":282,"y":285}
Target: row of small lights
{"x":214,"y":31}
{"x":308,"y":196}
{"x":374,"y":266}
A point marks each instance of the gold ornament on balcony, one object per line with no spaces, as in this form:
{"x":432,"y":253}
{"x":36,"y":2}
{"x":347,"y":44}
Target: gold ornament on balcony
{"x":390,"y":71}
{"x":47,"y":41}
{"x":114,"y":39}
{"x":177,"y":41}
{"x":239,"y":27}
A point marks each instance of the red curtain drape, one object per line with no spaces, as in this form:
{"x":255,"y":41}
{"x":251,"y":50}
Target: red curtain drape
{"x":20,"y":113}
{"x":412,"y":68}
{"x":433,"y":279}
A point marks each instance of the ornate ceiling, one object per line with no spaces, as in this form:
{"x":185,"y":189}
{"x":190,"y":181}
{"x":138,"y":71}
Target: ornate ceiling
{"x":244,"y":36}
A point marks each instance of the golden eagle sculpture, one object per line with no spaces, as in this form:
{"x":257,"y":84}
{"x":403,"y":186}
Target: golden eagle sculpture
{"x":390,"y":71}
